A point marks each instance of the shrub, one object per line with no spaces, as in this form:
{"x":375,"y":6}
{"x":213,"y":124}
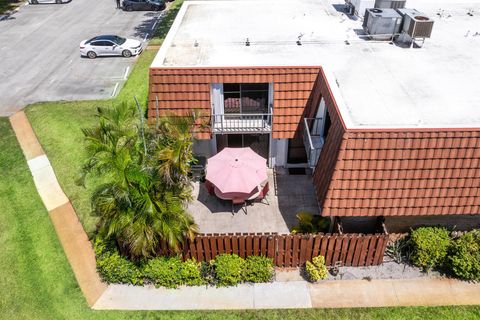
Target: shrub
{"x":316,"y":270}
{"x":429,"y":245}
{"x":310,"y":223}
{"x":114,"y":268}
{"x":464,"y":258}
{"x":258,"y":269}
{"x":190,"y":273}
{"x":165,"y":272}
{"x":229,"y":269}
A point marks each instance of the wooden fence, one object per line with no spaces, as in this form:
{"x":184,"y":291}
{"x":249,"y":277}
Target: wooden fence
{"x":289,"y":250}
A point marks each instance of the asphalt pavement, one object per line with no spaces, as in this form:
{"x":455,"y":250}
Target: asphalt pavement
{"x":39,"y":52}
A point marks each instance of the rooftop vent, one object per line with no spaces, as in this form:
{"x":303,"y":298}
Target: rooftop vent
{"x":382,"y":24}
{"x":390,"y":4}
{"x":416,"y":24}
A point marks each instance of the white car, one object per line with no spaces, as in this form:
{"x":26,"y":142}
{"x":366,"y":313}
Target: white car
{"x":47,"y":1}
{"x":110,"y":45}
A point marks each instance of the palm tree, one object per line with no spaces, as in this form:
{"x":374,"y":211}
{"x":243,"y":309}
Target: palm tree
{"x":172,"y":152}
{"x":136,"y":206}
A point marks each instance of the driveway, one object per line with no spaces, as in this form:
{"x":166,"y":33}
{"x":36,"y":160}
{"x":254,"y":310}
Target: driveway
{"x":39,"y":52}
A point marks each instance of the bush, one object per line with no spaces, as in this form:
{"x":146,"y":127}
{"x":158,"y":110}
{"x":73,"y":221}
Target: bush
{"x":258,"y":269}
{"x":164,"y":272}
{"x":229,"y":269}
{"x":190,"y":273}
{"x":430,"y":246}
{"x":316,"y":270}
{"x":310,"y":223}
{"x":114,"y":268}
{"x":464,"y":257}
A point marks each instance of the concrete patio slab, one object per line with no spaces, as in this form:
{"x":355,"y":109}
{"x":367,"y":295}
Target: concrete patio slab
{"x":288,"y":195}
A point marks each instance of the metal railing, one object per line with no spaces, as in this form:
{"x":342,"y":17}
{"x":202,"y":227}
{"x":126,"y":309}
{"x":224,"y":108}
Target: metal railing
{"x":313,"y":141}
{"x":242,"y":122}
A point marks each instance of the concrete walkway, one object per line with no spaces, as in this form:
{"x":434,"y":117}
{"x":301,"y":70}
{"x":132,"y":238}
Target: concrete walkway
{"x":276,"y":295}
{"x":294,"y":294}
{"x":73,"y":238}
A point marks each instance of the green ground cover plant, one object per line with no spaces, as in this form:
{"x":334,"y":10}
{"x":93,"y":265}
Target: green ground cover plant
{"x":464,"y":256}
{"x":429,"y":247}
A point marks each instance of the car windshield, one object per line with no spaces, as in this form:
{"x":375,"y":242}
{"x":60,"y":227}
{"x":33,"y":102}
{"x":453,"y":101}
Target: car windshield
{"x":119,"y":40}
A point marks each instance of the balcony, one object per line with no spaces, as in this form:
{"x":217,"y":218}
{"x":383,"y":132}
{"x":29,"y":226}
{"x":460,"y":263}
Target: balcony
{"x":226,"y":123}
{"x":313,"y":139}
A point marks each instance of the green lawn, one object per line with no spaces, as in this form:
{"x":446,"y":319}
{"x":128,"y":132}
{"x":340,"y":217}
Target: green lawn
{"x":36,"y":281}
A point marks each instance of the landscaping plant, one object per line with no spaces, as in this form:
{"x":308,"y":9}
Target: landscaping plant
{"x":429,"y":247}
{"x":113,"y":268}
{"x":464,"y":256}
{"x":141,"y":203}
{"x":316,"y":270}
{"x":258,"y":269}
{"x":191,"y":273}
{"x":164,"y":272}
{"x":229,"y":269}
{"x":309,"y":223}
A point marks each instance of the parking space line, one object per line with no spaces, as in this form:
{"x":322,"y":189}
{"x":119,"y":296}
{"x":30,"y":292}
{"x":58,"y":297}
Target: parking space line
{"x":126,"y":73}
{"x":115,"y":90}
{"x":145,"y":38}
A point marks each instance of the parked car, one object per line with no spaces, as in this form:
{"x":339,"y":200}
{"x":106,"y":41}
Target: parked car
{"x":47,"y":1}
{"x":110,"y":45}
{"x":145,"y":5}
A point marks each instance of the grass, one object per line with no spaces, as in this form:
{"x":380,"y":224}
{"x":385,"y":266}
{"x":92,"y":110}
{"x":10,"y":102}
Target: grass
{"x":36,"y":281}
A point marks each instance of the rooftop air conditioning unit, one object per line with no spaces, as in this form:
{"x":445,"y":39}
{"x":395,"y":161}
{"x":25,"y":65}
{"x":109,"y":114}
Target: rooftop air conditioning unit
{"x":382,"y":24}
{"x":390,"y":4}
{"x":359,"y":6}
{"x":416,"y":24}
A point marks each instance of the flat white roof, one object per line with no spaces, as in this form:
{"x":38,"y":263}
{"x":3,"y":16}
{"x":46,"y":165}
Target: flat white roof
{"x":376,"y":84}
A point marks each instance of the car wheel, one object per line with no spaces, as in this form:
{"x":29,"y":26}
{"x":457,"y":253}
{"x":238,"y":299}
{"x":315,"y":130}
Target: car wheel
{"x":58,"y":1}
{"x":129,"y":8}
{"x":34,"y":2}
{"x":126,"y":53}
{"x":91,"y":54}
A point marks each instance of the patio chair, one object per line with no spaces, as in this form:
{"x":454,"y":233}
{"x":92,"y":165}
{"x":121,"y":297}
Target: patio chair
{"x":263,"y":194}
{"x":236,"y":201}
{"x":210,"y":187}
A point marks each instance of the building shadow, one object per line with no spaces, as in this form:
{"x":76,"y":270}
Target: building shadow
{"x":295,"y":193}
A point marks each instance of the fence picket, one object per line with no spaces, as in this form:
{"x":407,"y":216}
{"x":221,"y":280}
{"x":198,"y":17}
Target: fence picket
{"x":286,"y":250}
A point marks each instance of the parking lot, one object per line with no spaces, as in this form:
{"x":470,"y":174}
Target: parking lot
{"x":39,"y":52}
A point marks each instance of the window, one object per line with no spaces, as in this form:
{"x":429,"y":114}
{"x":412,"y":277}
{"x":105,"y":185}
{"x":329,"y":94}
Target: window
{"x":245,"y":97}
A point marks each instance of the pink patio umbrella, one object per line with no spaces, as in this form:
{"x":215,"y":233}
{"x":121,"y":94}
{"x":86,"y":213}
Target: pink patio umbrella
{"x":236,"y":170}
